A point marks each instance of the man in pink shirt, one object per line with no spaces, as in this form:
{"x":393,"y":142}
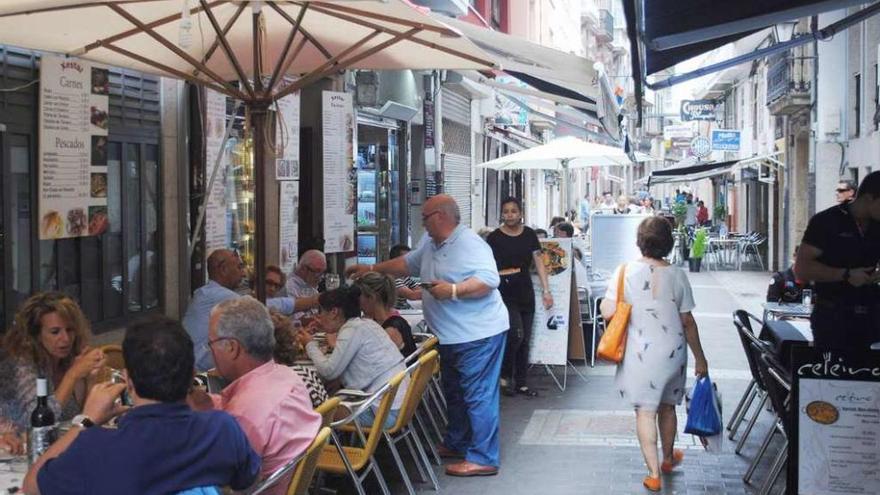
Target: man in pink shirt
{"x":269,"y":400}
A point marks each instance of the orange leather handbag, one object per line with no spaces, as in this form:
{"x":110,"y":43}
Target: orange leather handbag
{"x":613,"y":342}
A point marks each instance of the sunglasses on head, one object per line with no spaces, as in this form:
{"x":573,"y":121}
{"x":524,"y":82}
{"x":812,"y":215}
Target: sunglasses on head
{"x":843,"y":190}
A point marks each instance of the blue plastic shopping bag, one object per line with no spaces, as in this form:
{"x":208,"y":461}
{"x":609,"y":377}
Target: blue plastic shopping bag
{"x":704,"y":415}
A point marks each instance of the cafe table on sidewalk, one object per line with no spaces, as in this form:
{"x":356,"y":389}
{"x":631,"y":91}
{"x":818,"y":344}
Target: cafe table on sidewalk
{"x":782,"y":311}
{"x":12,"y":472}
{"x":783,"y":334}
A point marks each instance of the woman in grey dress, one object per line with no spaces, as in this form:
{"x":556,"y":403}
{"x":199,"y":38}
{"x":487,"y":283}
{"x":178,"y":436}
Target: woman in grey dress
{"x":661,"y":327}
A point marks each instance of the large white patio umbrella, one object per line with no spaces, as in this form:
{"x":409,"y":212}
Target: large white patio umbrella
{"x":214,"y":43}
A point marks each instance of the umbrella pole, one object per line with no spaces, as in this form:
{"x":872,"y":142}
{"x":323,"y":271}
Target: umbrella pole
{"x":259,"y":116}
{"x":565,"y":187}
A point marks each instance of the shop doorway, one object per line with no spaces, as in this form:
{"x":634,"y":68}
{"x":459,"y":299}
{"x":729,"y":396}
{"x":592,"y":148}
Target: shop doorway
{"x":381,"y":178}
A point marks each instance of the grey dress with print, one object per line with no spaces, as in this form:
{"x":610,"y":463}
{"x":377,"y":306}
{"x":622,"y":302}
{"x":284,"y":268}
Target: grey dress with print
{"x":654,"y":366}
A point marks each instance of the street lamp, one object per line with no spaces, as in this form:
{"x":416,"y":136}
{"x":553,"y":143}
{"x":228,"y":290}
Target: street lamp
{"x":784,"y":31}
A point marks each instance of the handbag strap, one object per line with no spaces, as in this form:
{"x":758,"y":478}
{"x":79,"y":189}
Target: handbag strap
{"x":620,"y":297}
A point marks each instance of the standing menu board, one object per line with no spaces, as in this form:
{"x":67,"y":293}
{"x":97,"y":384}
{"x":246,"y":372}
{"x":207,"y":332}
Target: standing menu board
{"x":835,"y":444}
{"x":339,"y":172}
{"x":216,"y":230}
{"x":74,"y":122}
{"x":288,"y":223}
{"x":287,"y":138}
{"x":613,"y":241}
{"x":549,"y":343}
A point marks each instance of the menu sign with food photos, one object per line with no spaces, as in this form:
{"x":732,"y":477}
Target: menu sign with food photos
{"x":74,"y":119}
{"x":835,"y":436}
{"x":287,"y":137}
{"x":338,"y":127}
{"x":216,"y":231}
{"x":550,"y":331}
{"x":288,"y":223}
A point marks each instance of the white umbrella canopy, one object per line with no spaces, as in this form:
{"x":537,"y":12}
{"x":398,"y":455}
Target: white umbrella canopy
{"x":307,"y":38}
{"x":564,"y":153}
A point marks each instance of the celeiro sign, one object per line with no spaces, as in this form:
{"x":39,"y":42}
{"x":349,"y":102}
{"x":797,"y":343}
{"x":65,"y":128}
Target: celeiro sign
{"x":698,"y":110}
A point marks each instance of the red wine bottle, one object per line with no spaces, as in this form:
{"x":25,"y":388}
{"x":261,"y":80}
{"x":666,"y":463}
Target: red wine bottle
{"x":43,"y":427}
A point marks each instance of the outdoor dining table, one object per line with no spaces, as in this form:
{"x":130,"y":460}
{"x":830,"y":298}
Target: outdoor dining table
{"x":783,"y":311}
{"x":723,"y":252}
{"x":12,"y":471}
{"x":783,"y":334}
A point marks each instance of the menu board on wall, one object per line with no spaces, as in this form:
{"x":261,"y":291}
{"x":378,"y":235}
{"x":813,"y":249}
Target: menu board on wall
{"x":288,"y":223}
{"x":287,"y":138}
{"x":550,"y":330}
{"x":835,"y":444}
{"x":215,"y":209}
{"x":74,"y":121}
{"x":339,"y":172}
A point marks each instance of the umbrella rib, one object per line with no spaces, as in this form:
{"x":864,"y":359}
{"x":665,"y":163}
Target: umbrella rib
{"x":216,"y":43}
{"x":303,"y":30}
{"x":433,"y":46}
{"x":319,"y":73}
{"x":224,"y":43}
{"x":170,"y":70}
{"x":180,"y":53}
{"x":156,"y":23}
{"x":277,"y":72}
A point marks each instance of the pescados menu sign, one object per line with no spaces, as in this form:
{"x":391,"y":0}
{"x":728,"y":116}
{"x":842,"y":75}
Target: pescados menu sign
{"x":74,"y":121}
{"x":835,"y":437}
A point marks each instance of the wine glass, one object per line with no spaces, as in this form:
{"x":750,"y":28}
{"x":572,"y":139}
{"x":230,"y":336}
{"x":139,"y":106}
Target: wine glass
{"x":331,"y":281}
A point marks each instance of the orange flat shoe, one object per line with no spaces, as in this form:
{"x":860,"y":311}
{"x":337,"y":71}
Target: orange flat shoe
{"x":677,"y":456}
{"x":652,"y":483}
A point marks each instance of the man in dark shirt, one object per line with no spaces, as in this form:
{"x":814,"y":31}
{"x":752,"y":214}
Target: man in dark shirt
{"x":840,"y":252}
{"x":785,"y":286}
{"x":161,"y":445}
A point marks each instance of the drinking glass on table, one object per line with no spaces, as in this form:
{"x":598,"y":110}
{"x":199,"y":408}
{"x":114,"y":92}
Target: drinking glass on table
{"x":331,"y":281}
{"x":807,"y":295}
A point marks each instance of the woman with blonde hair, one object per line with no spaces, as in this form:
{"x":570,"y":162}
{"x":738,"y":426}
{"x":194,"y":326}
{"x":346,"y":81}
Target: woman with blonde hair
{"x":378,"y":295}
{"x":661,"y":328}
{"x":48,"y":339}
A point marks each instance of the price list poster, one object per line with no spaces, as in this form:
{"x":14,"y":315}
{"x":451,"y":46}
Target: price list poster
{"x":215,"y":209}
{"x":339,"y":172}
{"x":74,"y":121}
{"x":835,"y":442}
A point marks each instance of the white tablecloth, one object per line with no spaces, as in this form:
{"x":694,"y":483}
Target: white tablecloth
{"x":12,"y":472}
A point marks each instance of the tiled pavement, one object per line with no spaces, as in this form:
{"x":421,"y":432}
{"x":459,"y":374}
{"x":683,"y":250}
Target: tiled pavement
{"x":583,"y":440}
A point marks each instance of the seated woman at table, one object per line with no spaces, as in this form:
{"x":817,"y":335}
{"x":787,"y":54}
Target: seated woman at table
{"x":652,"y":373}
{"x":363,"y":355}
{"x":288,"y":353}
{"x":377,"y":301}
{"x":47,"y":339}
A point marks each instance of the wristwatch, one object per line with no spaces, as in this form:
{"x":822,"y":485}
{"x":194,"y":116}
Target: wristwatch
{"x":82,"y":421}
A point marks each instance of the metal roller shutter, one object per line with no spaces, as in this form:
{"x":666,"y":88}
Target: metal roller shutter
{"x":457,"y":169}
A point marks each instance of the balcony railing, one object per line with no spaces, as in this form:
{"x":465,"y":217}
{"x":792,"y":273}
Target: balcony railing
{"x":788,"y":75}
{"x":606,"y":25}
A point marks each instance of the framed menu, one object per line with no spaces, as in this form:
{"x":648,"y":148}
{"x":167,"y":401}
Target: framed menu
{"x":339,"y":172}
{"x":74,"y":124}
{"x":216,"y":230}
{"x":835,"y":444}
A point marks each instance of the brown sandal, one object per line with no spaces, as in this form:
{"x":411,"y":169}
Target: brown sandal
{"x":652,"y":483}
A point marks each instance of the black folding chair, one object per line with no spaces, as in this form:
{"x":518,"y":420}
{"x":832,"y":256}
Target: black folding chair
{"x":742,"y":320}
{"x":778,"y":384}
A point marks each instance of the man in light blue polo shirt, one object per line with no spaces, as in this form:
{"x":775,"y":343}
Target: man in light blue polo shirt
{"x":464,"y":309}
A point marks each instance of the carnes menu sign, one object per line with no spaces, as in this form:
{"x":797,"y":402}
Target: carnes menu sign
{"x":698,"y":110}
{"x":835,"y":432}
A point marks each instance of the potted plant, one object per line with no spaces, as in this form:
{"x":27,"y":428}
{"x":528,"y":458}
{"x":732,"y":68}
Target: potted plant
{"x":698,"y":249}
{"x":719,"y":213}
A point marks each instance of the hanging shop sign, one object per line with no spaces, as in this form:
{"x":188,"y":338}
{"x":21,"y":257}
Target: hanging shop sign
{"x":340,"y":173}
{"x":288,"y":223}
{"x":287,"y":137}
{"x":216,"y":230}
{"x":725,"y":140}
{"x":698,"y":110}
{"x":74,"y":121}
{"x":679,"y":131}
{"x":835,"y":432}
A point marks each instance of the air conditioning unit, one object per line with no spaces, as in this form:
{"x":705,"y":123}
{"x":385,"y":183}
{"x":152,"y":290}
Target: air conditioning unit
{"x":454,"y":8}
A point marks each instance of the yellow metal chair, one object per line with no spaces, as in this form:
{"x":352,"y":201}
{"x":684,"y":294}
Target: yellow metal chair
{"x":342,"y":459}
{"x":304,"y":464}
{"x":327,"y":409}
{"x":402,"y":429}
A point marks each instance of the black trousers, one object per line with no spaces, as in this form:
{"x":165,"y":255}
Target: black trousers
{"x":515,"y":366}
{"x":845,"y":327}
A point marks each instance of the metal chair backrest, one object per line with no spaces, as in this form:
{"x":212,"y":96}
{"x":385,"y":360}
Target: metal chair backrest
{"x":748,"y":340}
{"x":745,"y":318}
{"x":387,"y":393}
{"x":778,"y":387}
{"x":421,"y":373}
{"x":327,"y":409}
{"x":302,"y":477}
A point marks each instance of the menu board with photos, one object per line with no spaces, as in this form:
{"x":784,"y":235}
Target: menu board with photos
{"x":550,"y":333}
{"x":287,"y":138}
{"x":339,"y":172}
{"x":288,"y":223}
{"x":835,"y":444}
{"x":74,"y":120}
{"x":216,"y":230}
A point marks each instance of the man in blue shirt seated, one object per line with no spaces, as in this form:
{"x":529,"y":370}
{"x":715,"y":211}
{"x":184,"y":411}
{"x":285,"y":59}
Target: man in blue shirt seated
{"x":161,"y":445}
{"x":225,"y":272}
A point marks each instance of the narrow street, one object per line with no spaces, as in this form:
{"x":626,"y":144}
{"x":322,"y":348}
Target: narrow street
{"x":583,"y":440}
